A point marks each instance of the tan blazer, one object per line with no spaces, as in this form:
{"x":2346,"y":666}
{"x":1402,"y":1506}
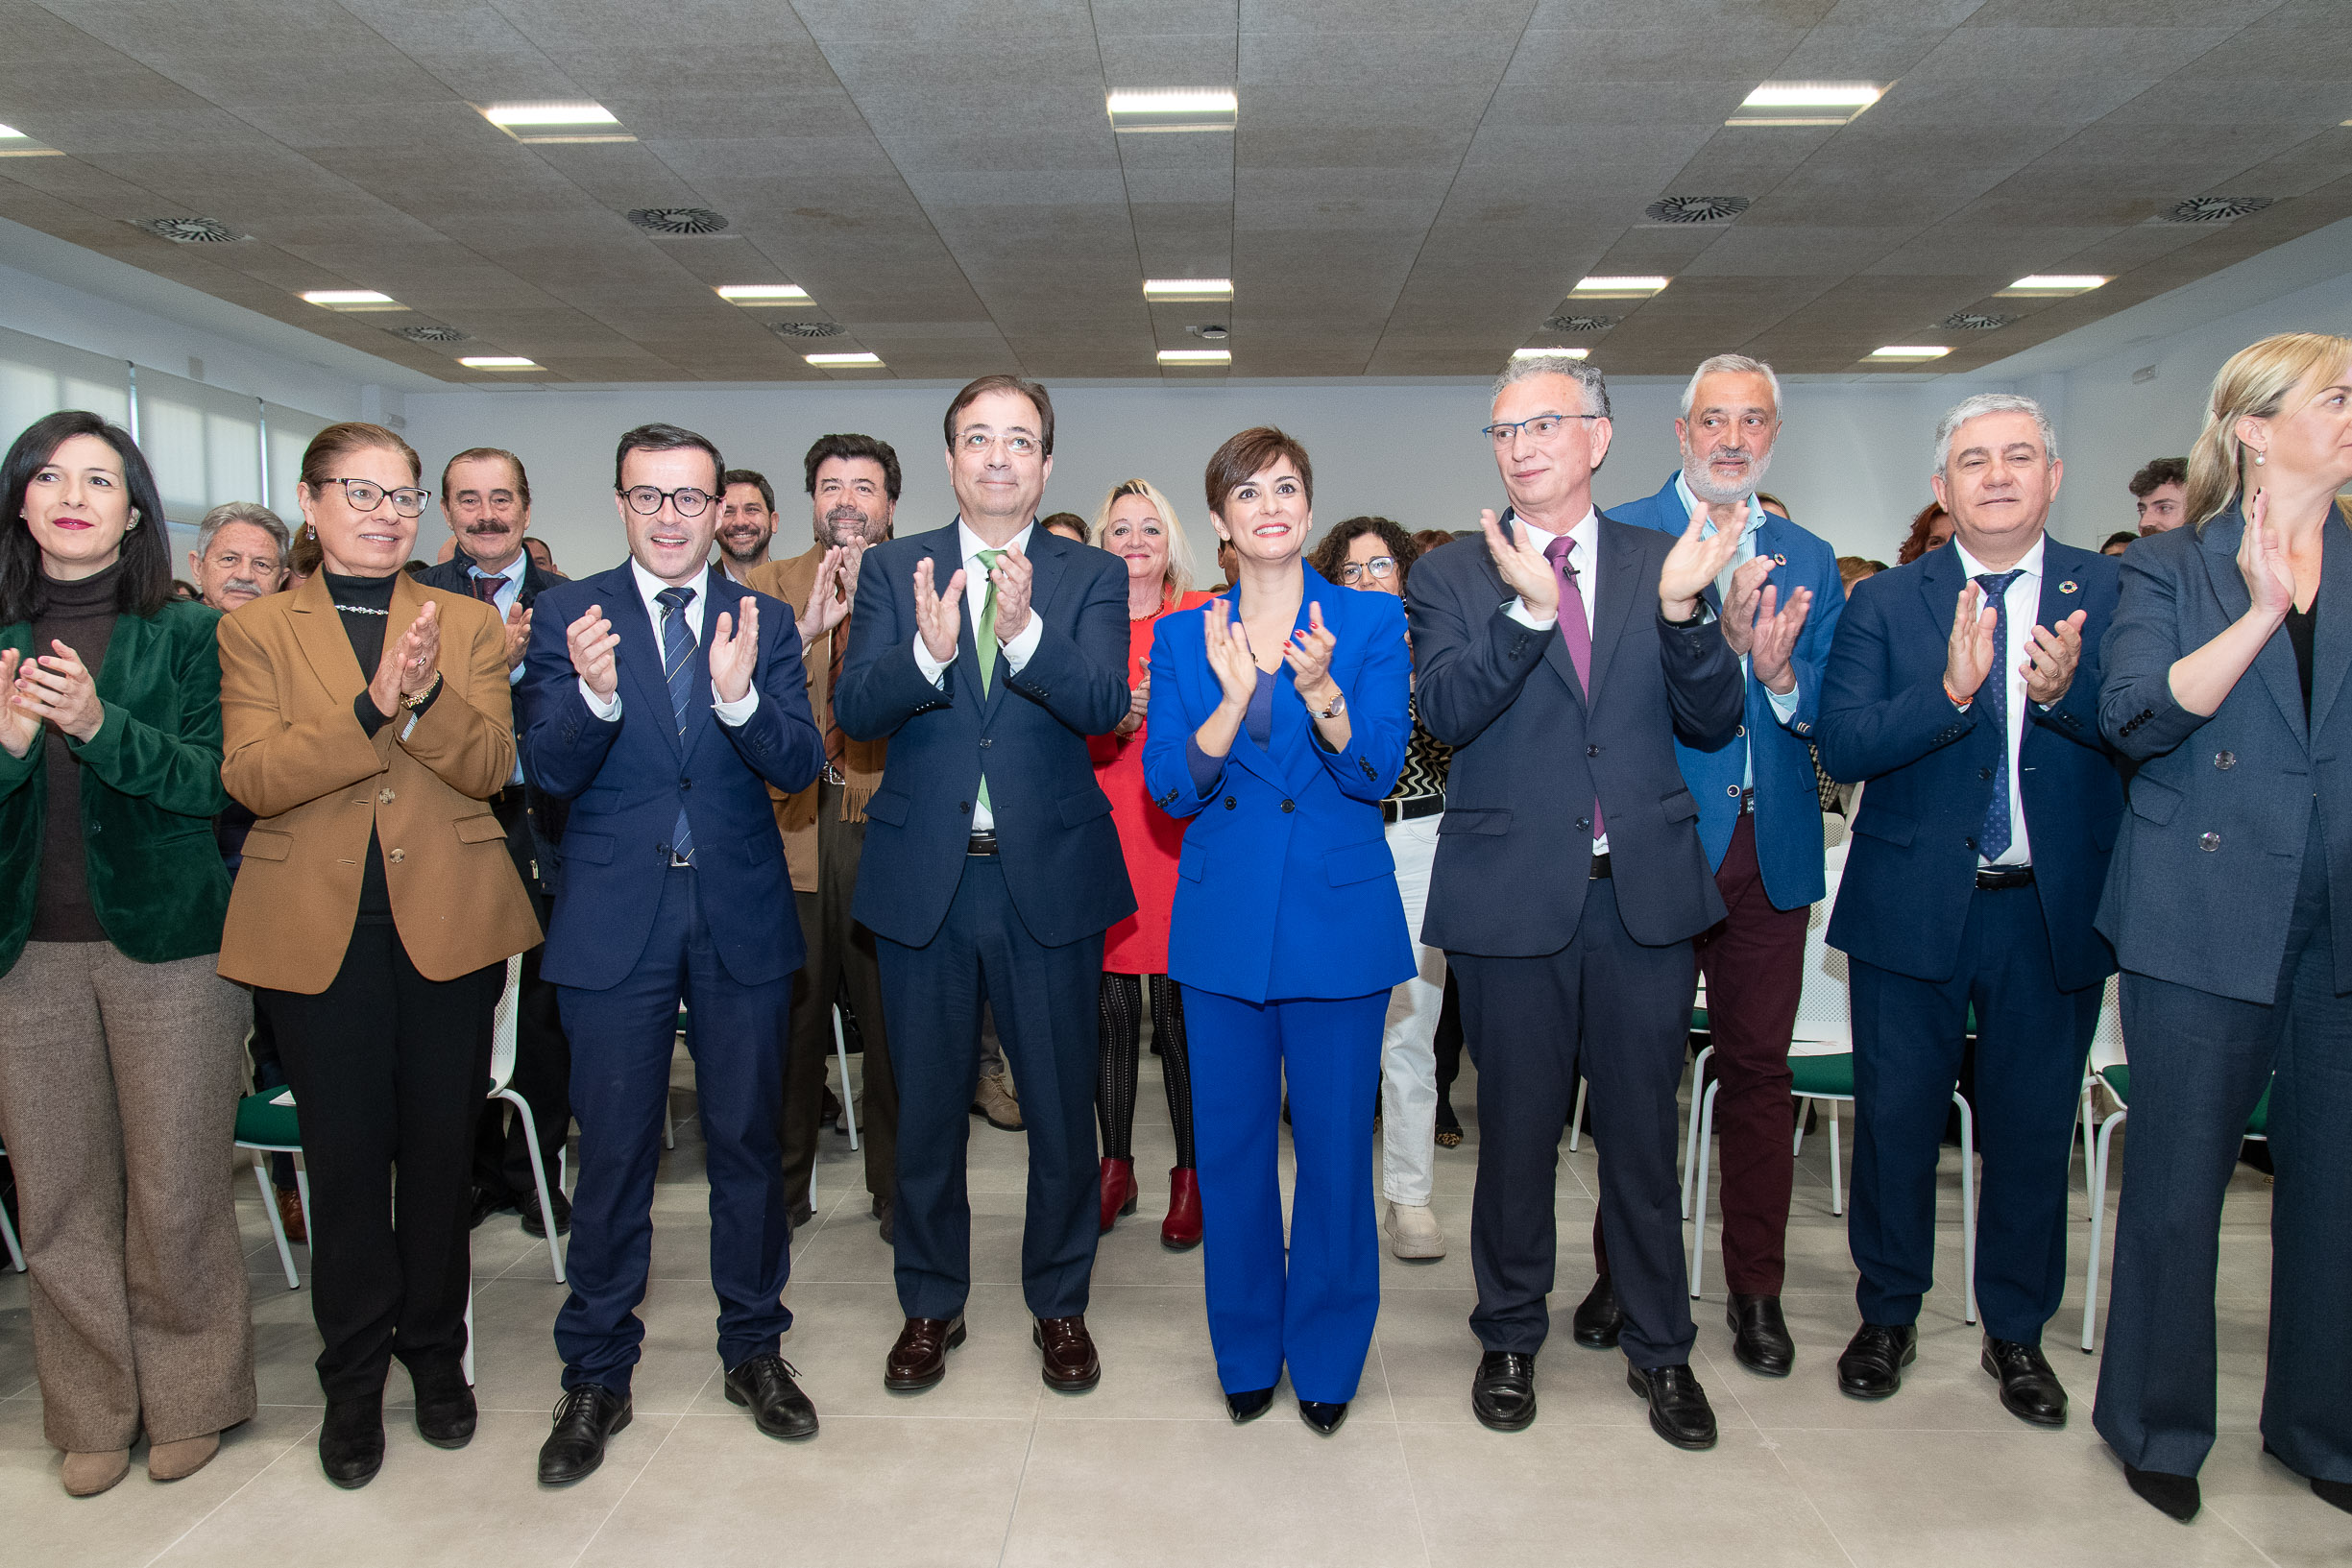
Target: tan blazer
{"x":862,"y":761}
{"x":295,"y":754}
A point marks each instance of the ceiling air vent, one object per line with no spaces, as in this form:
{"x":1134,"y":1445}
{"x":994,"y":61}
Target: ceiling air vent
{"x":1976,"y":320}
{"x":805,"y":329}
{"x":677,"y":220}
{"x":431,"y":334}
{"x":2213,"y":208}
{"x":191,"y":231}
{"x":1580,"y":323}
{"x":1695,"y":208}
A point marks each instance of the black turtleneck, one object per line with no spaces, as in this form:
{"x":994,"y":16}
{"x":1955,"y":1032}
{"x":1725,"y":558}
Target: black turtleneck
{"x":364,"y":605}
{"x":80,"y":614}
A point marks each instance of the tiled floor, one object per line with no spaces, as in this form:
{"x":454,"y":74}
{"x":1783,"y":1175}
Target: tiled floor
{"x":990,"y":1467}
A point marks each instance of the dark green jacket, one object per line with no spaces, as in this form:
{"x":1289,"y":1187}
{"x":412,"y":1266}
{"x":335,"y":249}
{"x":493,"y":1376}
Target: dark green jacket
{"x":151,"y":784}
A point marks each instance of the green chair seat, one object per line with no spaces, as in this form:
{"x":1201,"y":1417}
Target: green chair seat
{"x":2118,"y":1082}
{"x":2258,"y":1126}
{"x":1698,"y":1020}
{"x":1822,"y":1075}
{"x":273,"y":1127}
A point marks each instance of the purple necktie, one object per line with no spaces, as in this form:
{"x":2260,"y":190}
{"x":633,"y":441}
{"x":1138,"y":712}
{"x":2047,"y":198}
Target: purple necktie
{"x":1575,"y":633}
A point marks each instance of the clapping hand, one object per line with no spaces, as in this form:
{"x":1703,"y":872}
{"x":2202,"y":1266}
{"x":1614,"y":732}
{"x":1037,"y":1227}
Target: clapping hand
{"x":19,"y":725}
{"x":1971,"y":654}
{"x":1013,"y":575}
{"x":518,"y":634}
{"x":409,"y":662}
{"x":2050,"y":659}
{"x":57,"y":686}
{"x":735,"y":651}
{"x":2262,"y":560}
{"x":1740,"y":609}
{"x":1229,"y":655}
{"x":1773,"y":640}
{"x":1139,"y":697}
{"x":1695,"y":561}
{"x":936,"y":614}
{"x":831,"y":595}
{"x":592,"y":640}
{"x":1523,"y":567}
{"x":1308,"y":653}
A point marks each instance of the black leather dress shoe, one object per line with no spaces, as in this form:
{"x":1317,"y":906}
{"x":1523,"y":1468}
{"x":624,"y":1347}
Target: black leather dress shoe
{"x":535,"y":1223}
{"x":351,"y":1442}
{"x":1872,"y":1366}
{"x":764,"y":1383}
{"x":585,"y":1418}
{"x":1503,"y":1393}
{"x":885,"y":1213}
{"x":487,"y":1201}
{"x":2174,"y":1496}
{"x":1679,"y":1411}
{"x":1759,"y":1334}
{"x":445,"y":1403}
{"x":2029,"y":1390}
{"x":1324,"y":1418}
{"x":2335,"y":1494}
{"x":1598,"y":1322}
{"x":1248,"y":1405}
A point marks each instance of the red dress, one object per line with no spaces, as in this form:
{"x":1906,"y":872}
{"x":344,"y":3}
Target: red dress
{"x":1148,"y":837}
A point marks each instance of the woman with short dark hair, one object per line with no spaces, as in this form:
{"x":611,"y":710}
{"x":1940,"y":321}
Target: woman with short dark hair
{"x":120,"y":1044}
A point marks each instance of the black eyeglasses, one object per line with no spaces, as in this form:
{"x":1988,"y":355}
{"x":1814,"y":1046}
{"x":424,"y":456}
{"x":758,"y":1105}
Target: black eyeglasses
{"x":1544,"y":427}
{"x":644,"y":500}
{"x":366,"y":495}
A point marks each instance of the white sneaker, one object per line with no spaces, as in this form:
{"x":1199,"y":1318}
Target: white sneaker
{"x":1412,"y":1231}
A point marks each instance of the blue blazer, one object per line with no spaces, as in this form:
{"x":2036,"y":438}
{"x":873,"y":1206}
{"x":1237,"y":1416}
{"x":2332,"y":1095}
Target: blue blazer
{"x":1286,"y":887}
{"x":1058,"y":843}
{"x":625,"y":781}
{"x":1788,"y":798}
{"x":2211,"y":852}
{"x":1884,"y":718}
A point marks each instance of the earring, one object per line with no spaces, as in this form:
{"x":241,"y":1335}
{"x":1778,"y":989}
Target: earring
{"x":2258,"y":460}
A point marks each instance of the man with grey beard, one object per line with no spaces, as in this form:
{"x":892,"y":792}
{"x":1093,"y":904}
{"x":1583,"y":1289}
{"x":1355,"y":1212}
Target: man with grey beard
{"x":1759,"y":822}
{"x":853,"y":484}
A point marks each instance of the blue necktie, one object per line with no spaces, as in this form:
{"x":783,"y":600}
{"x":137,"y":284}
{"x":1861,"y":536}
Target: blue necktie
{"x":678,"y":670}
{"x":1993,"y":838}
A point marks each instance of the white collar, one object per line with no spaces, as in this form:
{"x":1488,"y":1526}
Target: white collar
{"x":1584,"y":531}
{"x":2029,"y":563}
{"x":650,"y":587}
{"x":971,"y":544}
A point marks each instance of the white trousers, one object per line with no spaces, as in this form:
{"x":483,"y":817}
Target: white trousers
{"x":1408,"y":1058}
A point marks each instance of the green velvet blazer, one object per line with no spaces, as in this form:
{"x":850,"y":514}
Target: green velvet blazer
{"x":151,"y":784}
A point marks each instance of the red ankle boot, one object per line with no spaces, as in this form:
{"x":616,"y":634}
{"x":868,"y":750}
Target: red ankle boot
{"x":1118,"y":1191}
{"x":1180,"y":1230}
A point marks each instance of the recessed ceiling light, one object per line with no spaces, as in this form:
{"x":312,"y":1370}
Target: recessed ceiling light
{"x":14,"y":143}
{"x":837,"y":361}
{"x":764,"y":294}
{"x":556,"y":122}
{"x":1169,"y":289}
{"x":1550,"y":354}
{"x":497,"y":362}
{"x":1913,"y":351}
{"x":1806,"y":103}
{"x":1195,"y":356}
{"x":1618,"y":288}
{"x":352,"y":299}
{"x":2051,"y":285}
{"x":1183,"y":109}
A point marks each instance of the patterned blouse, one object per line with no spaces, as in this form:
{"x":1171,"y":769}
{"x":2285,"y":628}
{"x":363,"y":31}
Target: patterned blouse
{"x":1426,"y":759}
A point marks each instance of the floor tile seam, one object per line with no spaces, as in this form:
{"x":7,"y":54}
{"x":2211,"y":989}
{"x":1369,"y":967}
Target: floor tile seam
{"x":646,"y":1465}
{"x":1796,"y":1485}
{"x":295,"y":1445}
{"x":1012,"y":1509}
{"x":1413,"y":1490}
{"x":2252,"y":1545}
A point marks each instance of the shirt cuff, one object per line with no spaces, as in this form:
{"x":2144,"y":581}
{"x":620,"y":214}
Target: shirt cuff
{"x":1528,"y":618}
{"x":1784,"y":708}
{"x":734,"y":713}
{"x":1017,"y":652}
{"x":605,"y":709}
{"x":514,"y":677}
{"x":931,"y":667}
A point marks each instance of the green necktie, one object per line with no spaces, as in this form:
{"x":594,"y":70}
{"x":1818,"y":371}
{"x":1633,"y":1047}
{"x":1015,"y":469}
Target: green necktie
{"x":987,"y":647}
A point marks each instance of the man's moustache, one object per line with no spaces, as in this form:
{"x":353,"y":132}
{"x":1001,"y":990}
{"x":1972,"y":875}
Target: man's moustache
{"x":237,"y":586}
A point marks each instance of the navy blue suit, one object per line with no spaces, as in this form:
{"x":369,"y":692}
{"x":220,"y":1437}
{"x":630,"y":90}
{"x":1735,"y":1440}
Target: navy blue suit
{"x":1926,"y":944}
{"x":632,"y":934}
{"x":1026,"y":921}
{"x":1287,"y":934}
{"x":2226,"y":905}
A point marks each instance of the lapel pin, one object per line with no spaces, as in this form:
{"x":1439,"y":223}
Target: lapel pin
{"x":1780,"y":561}
{"x":2067,"y":586}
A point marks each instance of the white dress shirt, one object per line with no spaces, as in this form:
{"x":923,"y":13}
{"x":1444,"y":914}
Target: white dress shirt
{"x":729,"y":714}
{"x":2023,"y":603}
{"x":1783,"y":707}
{"x":1584,"y":538}
{"x":1010,"y":656}
{"x":503,"y":600}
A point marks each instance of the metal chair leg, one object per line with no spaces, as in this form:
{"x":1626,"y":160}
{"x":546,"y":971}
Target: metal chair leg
{"x":539,"y":1176}
{"x":1968,"y":1196}
{"x":2098,"y":1224}
{"x":1698,"y":1195}
{"x":466,"y":1360}
{"x":8,"y":1234}
{"x":1690,"y":1149}
{"x":269,"y":1206}
{"x":1576,"y":1117}
{"x":849,"y":1101}
{"x":1838,"y":1176}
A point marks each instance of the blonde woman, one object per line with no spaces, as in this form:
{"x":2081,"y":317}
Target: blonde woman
{"x":2225,"y":669}
{"x":1136,"y":524}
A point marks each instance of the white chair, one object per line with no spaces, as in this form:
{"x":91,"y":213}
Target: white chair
{"x":840,"y":1053}
{"x":8,"y":1233}
{"x":267,"y":1125}
{"x":502,"y":1087}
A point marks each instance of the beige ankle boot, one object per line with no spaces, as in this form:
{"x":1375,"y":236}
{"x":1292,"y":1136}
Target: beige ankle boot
{"x":86,"y":1475}
{"x":179,"y":1460}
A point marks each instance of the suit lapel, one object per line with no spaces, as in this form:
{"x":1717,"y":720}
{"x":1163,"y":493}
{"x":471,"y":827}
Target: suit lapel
{"x":2332,"y":638}
{"x":1293,"y":743}
{"x":2061,"y":589}
{"x":1046,"y":555}
{"x":1619,"y":571}
{"x":1555,"y":646}
{"x":727,"y":597}
{"x":2275,"y":662}
{"x":318,"y":631}
{"x":639,"y":655}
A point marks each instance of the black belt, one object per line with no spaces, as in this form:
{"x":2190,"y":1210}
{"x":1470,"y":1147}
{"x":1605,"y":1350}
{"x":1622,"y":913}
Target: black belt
{"x":1747,"y":803}
{"x":2001,"y":878}
{"x":1600,"y":867}
{"x":982,"y":844}
{"x":1412,"y":808}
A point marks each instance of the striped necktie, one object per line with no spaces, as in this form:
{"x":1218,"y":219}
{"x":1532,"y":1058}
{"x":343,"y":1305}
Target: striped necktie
{"x":678,"y":670}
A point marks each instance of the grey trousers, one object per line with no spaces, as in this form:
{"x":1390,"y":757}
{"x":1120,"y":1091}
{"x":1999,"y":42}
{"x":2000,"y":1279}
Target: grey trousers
{"x":118,"y":1096}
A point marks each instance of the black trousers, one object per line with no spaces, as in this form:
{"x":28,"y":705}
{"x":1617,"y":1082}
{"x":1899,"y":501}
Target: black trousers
{"x":388,"y":1069}
{"x":842,"y":959}
{"x":1615,"y":1012}
{"x":543,"y":1055}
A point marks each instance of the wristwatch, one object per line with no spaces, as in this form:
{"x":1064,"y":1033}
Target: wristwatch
{"x":414,"y":700}
{"x":1338,"y":705}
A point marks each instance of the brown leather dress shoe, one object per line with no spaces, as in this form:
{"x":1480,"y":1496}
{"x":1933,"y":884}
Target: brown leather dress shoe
{"x":1070,"y":1362}
{"x":919,"y":1359}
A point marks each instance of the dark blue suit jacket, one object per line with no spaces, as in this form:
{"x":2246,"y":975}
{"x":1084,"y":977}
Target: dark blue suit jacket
{"x":1285,"y":886}
{"x":625,"y":779}
{"x":1885,"y":720}
{"x":1531,"y":752}
{"x":1787,"y":797}
{"x":1058,"y":843}
{"x":2211,"y":852}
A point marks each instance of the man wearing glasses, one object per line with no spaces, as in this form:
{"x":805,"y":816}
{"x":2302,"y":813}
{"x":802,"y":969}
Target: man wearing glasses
{"x":662,"y":699}
{"x":1561,"y":661}
{"x":986,"y":652}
